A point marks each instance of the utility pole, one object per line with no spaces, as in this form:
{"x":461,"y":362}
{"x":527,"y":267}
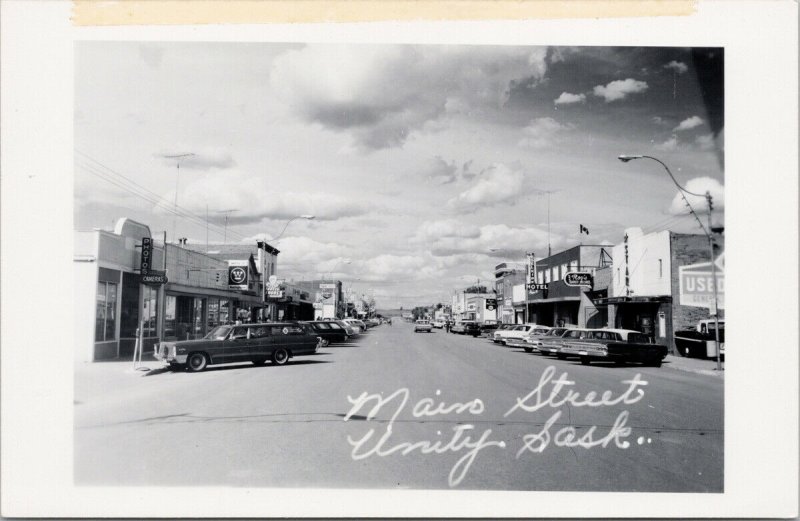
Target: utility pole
{"x":714,"y":281}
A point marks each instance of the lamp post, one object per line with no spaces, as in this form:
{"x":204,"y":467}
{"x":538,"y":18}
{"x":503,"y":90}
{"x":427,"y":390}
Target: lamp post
{"x":707,"y":231}
{"x":177,"y":158}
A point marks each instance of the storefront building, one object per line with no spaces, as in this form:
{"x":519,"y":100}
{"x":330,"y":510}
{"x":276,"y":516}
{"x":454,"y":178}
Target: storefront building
{"x":112,"y":299}
{"x":564,"y":302}
{"x":660,"y":283}
{"x":506,"y":276}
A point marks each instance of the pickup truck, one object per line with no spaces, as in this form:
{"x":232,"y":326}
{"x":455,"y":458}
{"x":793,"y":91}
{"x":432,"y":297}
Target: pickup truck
{"x":700,"y":341}
{"x":614,"y":345}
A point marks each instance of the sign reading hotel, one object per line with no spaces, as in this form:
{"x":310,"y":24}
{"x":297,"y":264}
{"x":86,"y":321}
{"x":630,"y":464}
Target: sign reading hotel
{"x":238,"y":276}
{"x":696,"y":284}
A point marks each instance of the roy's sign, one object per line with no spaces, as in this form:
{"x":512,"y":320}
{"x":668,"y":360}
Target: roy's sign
{"x":696,"y":284}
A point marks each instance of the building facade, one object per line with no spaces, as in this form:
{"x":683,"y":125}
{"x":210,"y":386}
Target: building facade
{"x":506,"y":276}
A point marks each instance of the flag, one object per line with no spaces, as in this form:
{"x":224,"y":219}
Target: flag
{"x":584,"y":229}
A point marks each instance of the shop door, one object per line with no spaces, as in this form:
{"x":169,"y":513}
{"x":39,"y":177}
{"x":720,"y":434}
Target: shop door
{"x":129,"y":314}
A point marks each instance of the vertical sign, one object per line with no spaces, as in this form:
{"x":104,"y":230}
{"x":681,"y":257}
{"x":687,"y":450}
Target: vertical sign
{"x":146,"y":263}
{"x":531,"y":269}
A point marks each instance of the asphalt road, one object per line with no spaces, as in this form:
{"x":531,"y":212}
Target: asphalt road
{"x":443,"y":423}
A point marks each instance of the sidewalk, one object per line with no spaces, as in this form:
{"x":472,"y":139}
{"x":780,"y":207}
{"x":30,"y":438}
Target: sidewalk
{"x":694,"y":365}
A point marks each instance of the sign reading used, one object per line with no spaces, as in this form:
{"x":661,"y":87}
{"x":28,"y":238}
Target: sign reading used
{"x":146,"y":263}
{"x":696,"y":285}
{"x":578,"y":278}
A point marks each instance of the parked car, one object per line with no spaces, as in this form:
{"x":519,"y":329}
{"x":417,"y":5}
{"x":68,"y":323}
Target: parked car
{"x":700,"y":341}
{"x":535,"y":339}
{"x":517,"y":331}
{"x":466,"y":327}
{"x":329,"y":330}
{"x":356,"y":324}
{"x":551,"y":344}
{"x":422,"y":325}
{"x":438,"y":323}
{"x":518,"y":339}
{"x":350,"y":330}
{"x":489,"y":327}
{"x":616,"y":345}
{"x":256,"y":343}
{"x":372,"y":322}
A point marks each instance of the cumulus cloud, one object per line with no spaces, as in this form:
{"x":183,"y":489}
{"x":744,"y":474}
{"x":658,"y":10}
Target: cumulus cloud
{"x":619,"y":89}
{"x":496,"y":184}
{"x":677,"y":66}
{"x":688,"y":123}
{"x":699,"y":185}
{"x":705,"y":141}
{"x":668,"y":145}
{"x":567,"y":98}
{"x":439,"y":171}
{"x":381,"y":94}
{"x":506,"y":241}
{"x":541,"y":133}
{"x":434,"y":230}
{"x":198,"y":159}
{"x":254,"y":199}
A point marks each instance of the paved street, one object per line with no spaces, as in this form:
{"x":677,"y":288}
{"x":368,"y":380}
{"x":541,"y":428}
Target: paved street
{"x":244,"y":425}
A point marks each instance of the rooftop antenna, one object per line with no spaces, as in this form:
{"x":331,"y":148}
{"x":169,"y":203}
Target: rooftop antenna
{"x":177,"y":158}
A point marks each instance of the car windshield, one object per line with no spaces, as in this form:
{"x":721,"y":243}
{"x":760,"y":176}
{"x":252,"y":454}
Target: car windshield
{"x":218,"y":333}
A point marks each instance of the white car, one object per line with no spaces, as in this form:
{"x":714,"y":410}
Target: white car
{"x":438,"y":323}
{"x":521,"y":340}
{"x":355,"y":324}
{"x":422,"y":325}
{"x":517,"y":332}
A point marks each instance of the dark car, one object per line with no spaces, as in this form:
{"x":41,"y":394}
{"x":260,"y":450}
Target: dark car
{"x":615,"y":345}
{"x":488,"y":328}
{"x":256,"y":343}
{"x":466,"y":328}
{"x":329,"y":330}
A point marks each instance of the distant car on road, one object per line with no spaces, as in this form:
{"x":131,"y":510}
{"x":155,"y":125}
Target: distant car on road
{"x":422,"y":326}
{"x":256,"y":343}
{"x":438,"y":323}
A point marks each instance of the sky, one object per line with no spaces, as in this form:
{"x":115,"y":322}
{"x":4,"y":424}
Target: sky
{"x":424,"y":165}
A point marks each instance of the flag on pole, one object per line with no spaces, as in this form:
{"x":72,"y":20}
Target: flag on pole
{"x":584,"y":229}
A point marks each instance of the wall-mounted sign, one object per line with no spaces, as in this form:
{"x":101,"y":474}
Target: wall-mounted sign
{"x":578,"y":278}
{"x":696,"y":285}
{"x":238,"y":274}
{"x":508,"y":303}
{"x":154,"y":278}
{"x":274,"y":289}
{"x":327,"y":286}
{"x":537,"y":287}
{"x":471,"y":306}
{"x":146,"y":263}
{"x":491,"y":304}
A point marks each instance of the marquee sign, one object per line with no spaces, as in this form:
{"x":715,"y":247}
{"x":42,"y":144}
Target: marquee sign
{"x":274,"y":289}
{"x":491,"y":304}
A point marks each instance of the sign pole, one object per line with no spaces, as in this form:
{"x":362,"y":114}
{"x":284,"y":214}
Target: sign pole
{"x":714,"y":283}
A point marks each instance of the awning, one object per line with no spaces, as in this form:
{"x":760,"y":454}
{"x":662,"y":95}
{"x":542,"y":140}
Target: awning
{"x":613,"y":301}
{"x":180,"y":289}
{"x":554,"y":299}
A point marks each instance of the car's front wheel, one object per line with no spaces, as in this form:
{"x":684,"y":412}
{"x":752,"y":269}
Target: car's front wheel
{"x":196,"y":362}
{"x":280,"y":356}
{"x":325,"y":342}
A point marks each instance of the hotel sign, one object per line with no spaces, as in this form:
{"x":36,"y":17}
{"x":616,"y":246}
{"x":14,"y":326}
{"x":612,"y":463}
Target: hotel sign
{"x":696,"y":284}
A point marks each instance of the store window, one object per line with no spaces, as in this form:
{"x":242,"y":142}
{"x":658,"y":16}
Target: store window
{"x":149,"y":310}
{"x":213,"y":313}
{"x":169,"y":316}
{"x":197,"y":318}
{"x":106,"y":320}
{"x":224,"y":311}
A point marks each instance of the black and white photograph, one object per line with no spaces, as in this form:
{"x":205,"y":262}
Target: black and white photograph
{"x":300,"y":263}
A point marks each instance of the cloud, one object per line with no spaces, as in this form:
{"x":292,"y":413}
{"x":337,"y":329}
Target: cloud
{"x":496,"y":184}
{"x":198,"y":159}
{"x":678,"y":67}
{"x":705,"y":142}
{"x":434,"y":230}
{"x":688,"y":123}
{"x":439,"y":171}
{"x":699,"y":185}
{"x":619,"y":89}
{"x":254,"y":199}
{"x":540,"y":133}
{"x":507,"y":241}
{"x":668,"y":145}
{"x":380,"y":95}
{"x":567,"y":98}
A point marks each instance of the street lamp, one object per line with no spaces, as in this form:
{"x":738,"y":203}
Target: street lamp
{"x":625,"y":158}
{"x":306,"y":216}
